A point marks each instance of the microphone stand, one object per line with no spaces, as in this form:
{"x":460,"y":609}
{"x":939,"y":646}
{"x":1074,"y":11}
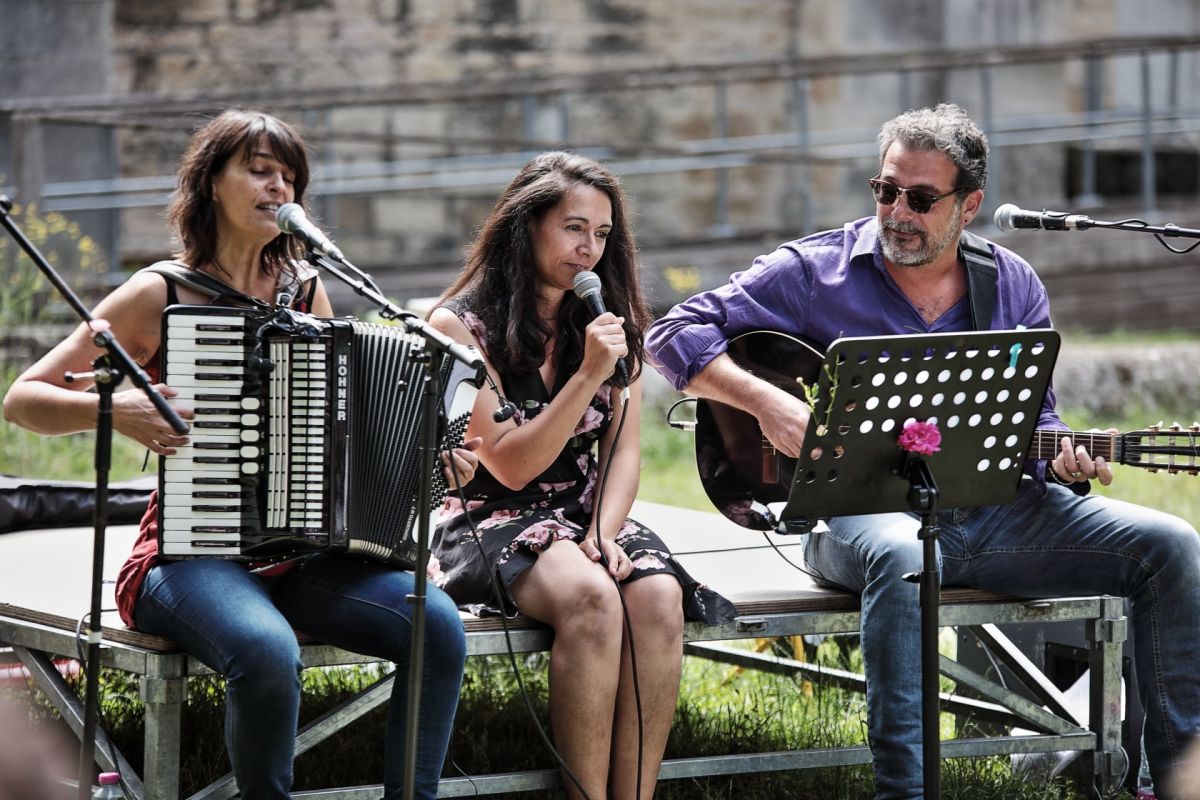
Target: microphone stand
{"x":437,"y":341}
{"x":1063,"y":220}
{"x":108,"y":370}
{"x":1168,"y":230}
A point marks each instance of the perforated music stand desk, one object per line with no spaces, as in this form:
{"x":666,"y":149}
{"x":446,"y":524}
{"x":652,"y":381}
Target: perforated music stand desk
{"x":984,"y":390}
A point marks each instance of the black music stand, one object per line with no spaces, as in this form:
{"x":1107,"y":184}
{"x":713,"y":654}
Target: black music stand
{"x":984,"y":390}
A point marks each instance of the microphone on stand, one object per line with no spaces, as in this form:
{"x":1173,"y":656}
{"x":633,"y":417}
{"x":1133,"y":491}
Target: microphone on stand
{"x":291,"y":219}
{"x":587,"y":289}
{"x":1009,"y":217}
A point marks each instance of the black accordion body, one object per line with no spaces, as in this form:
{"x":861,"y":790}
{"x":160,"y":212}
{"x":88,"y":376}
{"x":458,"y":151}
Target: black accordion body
{"x":306,"y":436}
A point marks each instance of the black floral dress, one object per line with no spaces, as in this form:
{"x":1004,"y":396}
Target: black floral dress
{"x":515,"y":526}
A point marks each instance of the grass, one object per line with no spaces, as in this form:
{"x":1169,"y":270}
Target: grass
{"x":721,"y":711}
{"x":62,"y":457}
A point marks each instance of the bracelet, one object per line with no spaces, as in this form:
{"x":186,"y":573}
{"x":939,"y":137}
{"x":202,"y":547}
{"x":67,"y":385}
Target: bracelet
{"x":1052,"y":475}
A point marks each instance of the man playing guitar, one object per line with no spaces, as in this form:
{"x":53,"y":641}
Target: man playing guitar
{"x":906,"y":270}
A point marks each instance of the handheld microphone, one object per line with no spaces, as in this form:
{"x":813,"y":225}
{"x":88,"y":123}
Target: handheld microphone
{"x":1009,"y":217}
{"x":587,"y":289}
{"x":291,"y":219}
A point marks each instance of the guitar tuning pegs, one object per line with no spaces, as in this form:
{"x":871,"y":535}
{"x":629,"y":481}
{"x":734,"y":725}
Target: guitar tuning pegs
{"x":1175,"y":426}
{"x":1155,"y":427}
{"x":1195,"y":426}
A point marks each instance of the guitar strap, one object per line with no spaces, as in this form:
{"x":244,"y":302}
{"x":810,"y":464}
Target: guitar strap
{"x":982,"y":274}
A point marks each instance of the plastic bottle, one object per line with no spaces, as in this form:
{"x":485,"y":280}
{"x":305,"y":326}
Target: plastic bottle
{"x":109,"y":788}
{"x":1145,"y":787}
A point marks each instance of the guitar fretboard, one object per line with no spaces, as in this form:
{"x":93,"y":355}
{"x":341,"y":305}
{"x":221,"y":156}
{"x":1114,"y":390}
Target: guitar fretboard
{"x":1047,"y":443}
{"x":1173,"y":449}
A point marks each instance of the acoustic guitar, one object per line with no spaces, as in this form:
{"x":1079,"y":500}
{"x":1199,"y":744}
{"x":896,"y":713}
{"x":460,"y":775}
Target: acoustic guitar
{"x":741,"y":472}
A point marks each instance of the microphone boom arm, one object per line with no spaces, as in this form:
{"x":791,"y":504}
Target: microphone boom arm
{"x":363,"y":286}
{"x":1169,"y":229}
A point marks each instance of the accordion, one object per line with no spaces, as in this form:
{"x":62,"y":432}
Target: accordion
{"x":306,"y":435}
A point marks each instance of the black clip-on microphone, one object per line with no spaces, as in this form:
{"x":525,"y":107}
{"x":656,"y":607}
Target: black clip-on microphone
{"x":108,"y":370}
{"x":505,"y":412}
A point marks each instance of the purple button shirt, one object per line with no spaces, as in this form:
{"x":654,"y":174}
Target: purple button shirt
{"x":826,"y":286}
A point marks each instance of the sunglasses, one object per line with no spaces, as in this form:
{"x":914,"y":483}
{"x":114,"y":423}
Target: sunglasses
{"x":919,"y":200}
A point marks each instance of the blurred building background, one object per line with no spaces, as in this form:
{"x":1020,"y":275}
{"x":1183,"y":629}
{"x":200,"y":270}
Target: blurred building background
{"x":735,"y":125}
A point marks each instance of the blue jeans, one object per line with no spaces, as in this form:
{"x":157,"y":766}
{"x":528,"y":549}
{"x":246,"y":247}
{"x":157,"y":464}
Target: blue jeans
{"x":1056,"y":544}
{"x":240,"y":625}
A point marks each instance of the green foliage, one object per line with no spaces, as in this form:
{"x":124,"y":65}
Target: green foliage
{"x":669,"y":464}
{"x":722,"y":710}
{"x":27,"y":299}
{"x":61,"y":457}
{"x":1175,"y":494}
{"x":26,"y":296}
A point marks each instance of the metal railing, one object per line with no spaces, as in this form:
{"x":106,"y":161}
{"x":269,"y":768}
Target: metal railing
{"x":1104,"y":115}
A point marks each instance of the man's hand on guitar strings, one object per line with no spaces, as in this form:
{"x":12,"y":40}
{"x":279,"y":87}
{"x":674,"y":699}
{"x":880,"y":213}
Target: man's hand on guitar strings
{"x":783,"y":420}
{"x":1074,"y":464}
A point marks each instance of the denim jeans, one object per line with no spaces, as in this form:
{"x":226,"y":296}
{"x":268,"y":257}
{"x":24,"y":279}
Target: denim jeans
{"x":1038,"y":545}
{"x":240,"y":625}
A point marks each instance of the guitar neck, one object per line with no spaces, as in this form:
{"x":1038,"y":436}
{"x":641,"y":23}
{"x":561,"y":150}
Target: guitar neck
{"x":1172,"y":449}
{"x":1046,"y":444}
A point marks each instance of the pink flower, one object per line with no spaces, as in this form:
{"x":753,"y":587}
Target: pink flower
{"x":475,"y":326}
{"x":453,"y":505}
{"x":591,"y":420}
{"x":498,"y":517}
{"x":648,"y":562}
{"x":539,"y":535}
{"x":922,"y":438}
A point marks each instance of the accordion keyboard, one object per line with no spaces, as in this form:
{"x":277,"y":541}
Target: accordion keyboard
{"x":207,"y":487}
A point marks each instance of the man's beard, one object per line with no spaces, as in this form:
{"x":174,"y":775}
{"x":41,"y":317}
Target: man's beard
{"x":924,"y":252}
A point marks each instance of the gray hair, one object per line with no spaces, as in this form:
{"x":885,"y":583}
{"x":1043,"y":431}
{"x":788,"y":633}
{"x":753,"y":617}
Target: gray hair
{"x":947,"y":129}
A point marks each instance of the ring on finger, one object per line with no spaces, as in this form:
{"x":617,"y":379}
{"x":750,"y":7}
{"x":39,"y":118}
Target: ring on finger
{"x":1077,"y":475}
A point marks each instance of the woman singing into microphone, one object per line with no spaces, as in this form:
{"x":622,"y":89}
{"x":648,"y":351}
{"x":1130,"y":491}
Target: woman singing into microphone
{"x":551,"y":523}
{"x":236,"y":173}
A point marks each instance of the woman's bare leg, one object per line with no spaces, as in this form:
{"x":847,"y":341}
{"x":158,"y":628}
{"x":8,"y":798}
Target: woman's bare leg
{"x":655,"y":605}
{"x":574,"y":596}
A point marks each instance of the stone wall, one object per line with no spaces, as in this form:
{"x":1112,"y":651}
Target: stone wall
{"x":411,"y":240}
{"x":225,"y":45}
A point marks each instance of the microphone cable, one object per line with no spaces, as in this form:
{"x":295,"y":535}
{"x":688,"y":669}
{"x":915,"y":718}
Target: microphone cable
{"x":498,"y":593}
{"x":1159,"y":236}
{"x":85,"y":670}
{"x":637,"y":692}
